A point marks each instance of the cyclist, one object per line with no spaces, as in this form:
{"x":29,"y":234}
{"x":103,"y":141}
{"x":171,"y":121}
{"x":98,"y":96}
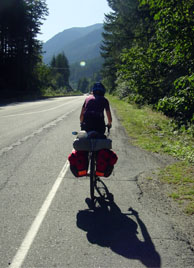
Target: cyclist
{"x":92,"y":113}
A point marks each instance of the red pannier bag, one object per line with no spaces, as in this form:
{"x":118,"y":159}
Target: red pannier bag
{"x":78,"y":163}
{"x":105,"y":161}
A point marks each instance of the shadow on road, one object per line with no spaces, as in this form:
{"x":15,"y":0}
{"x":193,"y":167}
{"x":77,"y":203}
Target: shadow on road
{"x":107,"y":226}
{"x":18,"y":101}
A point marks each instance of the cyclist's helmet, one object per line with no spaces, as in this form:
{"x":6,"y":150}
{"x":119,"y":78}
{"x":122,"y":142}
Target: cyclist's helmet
{"x":98,"y":89}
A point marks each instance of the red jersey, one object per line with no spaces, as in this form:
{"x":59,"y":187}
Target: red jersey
{"x":95,"y":105}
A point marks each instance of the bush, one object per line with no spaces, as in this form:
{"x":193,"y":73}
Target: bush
{"x":181,"y":105}
{"x":123,"y":89}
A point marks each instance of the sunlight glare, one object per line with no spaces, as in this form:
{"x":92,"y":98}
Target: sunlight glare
{"x":82,"y":63}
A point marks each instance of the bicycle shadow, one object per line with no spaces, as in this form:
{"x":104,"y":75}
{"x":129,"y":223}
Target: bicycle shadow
{"x":107,"y":226}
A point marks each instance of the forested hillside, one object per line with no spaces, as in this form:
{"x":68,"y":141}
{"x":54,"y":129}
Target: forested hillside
{"x":149,"y":54}
{"x":78,"y":44}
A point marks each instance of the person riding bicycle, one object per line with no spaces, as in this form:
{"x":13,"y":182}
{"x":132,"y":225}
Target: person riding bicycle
{"x":92,"y":113}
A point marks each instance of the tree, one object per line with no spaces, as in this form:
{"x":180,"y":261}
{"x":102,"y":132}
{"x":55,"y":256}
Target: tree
{"x":20,"y":22}
{"x":125,"y":27}
{"x":175,"y":39}
{"x":83,"y":85}
{"x":60,"y":70}
{"x":149,"y":54}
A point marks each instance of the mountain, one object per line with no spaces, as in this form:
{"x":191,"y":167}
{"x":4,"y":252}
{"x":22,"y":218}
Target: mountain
{"x":78,"y":44}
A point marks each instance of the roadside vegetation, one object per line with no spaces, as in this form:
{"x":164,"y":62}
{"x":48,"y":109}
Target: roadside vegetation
{"x":148,"y":52}
{"x":157,"y":133}
{"x":20,"y":51}
{"x":61,"y":92}
{"x":180,"y":177}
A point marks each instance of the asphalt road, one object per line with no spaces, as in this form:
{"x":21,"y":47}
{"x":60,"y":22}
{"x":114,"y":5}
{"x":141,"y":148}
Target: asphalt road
{"x":45,"y":217}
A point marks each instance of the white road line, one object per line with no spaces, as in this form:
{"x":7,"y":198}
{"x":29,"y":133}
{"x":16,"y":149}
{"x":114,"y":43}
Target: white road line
{"x":31,"y":234}
{"x":36,"y":112}
{"x":37,"y":131}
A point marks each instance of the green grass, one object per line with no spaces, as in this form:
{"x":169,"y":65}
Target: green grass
{"x":155,"y":132}
{"x":180,"y":176}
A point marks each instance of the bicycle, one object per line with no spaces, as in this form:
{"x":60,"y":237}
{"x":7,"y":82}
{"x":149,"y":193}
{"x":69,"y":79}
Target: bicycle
{"x":92,"y":155}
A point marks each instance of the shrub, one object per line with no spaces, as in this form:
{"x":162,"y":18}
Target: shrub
{"x":181,"y":104}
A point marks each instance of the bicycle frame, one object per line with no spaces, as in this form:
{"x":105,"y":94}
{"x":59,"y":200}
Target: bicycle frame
{"x":92,"y":174}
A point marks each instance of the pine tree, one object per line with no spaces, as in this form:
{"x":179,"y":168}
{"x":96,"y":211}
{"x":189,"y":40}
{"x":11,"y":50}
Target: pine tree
{"x":60,"y":70}
{"x":119,"y":33}
{"x":20,"y":22}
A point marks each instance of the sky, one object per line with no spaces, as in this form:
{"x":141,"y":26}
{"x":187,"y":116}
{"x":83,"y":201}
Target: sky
{"x":66,"y":14}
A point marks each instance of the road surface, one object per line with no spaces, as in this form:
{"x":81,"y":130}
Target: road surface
{"x":45,"y":216}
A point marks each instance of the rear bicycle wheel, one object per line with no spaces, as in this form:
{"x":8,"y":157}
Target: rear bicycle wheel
{"x":92,"y":177}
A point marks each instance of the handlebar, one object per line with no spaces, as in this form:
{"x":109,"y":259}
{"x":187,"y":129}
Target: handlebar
{"x":106,"y":126}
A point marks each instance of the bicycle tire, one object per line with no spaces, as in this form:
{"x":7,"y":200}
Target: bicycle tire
{"x":92,"y":177}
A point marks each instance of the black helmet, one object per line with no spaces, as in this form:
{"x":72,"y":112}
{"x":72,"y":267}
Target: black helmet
{"x":98,"y":89}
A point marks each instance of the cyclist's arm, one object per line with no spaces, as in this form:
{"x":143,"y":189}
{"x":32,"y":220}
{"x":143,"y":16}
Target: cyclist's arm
{"x":108,"y":112}
{"x":82,"y":115}
{"x":109,"y":116}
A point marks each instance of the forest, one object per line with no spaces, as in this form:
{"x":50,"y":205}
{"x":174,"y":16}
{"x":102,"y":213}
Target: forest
{"x":20,"y":23}
{"x":22,"y":71}
{"x":148,"y":50}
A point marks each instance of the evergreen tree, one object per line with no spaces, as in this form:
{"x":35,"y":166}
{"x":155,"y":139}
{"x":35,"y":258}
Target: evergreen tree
{"x":20,"y":22}
{"x":123,"y":28}
{"x":60,"y":70}
{"x":83,"y":85}
{"x":149,"y":54}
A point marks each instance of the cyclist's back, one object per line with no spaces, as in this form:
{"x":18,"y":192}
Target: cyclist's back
{"x":92,"y":114}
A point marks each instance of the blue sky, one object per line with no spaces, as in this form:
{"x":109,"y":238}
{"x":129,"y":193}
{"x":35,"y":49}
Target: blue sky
{"x":65,"y":14}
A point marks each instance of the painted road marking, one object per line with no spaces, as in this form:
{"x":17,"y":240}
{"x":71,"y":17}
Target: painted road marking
{"x":37,"y":112}
{"x":31,"y":234}
{"x":20,"y":141}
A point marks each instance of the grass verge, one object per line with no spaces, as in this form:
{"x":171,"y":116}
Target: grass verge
{"x":155,"y":132}
{"x":180,"y":176}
